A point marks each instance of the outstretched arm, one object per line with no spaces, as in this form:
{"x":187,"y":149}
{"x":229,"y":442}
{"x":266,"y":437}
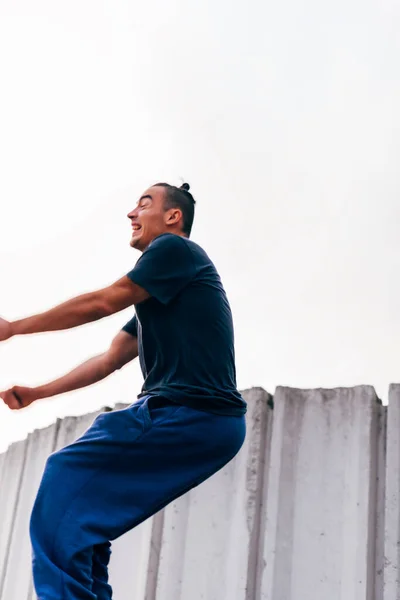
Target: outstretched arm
{"x":123,"y":349}
{"x":80,"y":310}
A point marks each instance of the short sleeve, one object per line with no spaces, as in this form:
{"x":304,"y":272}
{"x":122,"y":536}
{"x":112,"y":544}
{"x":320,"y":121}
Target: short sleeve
{"x":165,"y":268}
{"x":131,"y":327}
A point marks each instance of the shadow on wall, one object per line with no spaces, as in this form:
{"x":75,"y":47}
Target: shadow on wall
{"x":309,"y":509}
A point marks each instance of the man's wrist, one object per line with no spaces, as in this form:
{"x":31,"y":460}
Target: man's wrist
{"x":13,"y":328}
{"x":41,"y":392}
{"x":23,"y":326}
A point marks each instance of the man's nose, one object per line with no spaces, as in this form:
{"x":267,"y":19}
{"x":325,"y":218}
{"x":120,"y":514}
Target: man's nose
{"x":132,"y":214}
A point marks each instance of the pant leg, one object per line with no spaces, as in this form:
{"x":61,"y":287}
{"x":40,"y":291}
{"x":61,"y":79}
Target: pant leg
{"x":126,"y":467}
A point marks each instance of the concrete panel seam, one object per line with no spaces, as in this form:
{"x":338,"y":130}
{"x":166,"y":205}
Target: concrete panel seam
{"x":379,"y":502}
{"x":154,"y":558}
{"x":253,"y":568}
{"x":372,"y":505}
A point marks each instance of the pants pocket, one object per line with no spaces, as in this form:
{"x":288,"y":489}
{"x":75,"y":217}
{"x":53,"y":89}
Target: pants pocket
{"x":158,"y":409}
{"x":133,"y":419}
{"x":144,"y":414}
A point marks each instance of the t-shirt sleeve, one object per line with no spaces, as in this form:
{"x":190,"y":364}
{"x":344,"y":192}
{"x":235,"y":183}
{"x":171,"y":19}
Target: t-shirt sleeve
{"x":131,"y":326}
{"x":164,"y":268}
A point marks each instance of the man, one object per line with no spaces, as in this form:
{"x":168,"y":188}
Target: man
{"x":187,"y":423}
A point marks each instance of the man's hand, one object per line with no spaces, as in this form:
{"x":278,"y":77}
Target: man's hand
{"x":19,"y":397}
{"x":5,"y":330}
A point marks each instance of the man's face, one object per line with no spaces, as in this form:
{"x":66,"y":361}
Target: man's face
{"x":149,"y":219}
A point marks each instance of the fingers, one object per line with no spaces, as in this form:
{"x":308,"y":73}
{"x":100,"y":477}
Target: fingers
{"x":11,"y":400}
{"x":15,"y":402}
{"x":19,"y":400}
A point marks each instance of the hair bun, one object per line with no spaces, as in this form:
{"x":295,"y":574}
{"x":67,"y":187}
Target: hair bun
{"x":185,"y":186}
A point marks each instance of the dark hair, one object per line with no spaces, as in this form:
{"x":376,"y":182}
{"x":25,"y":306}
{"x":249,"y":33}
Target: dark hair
{"x":180,"y":197}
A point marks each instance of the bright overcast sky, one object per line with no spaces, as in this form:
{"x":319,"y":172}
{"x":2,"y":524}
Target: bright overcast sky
{"x":284,"y":118}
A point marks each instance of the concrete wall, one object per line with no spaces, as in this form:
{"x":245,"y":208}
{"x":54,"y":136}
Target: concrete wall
{"x":309,"y":509}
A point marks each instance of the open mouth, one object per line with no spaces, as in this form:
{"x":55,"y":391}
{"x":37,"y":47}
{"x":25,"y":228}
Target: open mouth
{"x":136,"y":228}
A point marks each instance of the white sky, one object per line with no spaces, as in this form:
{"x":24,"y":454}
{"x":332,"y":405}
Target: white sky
{"x":283,"y":117}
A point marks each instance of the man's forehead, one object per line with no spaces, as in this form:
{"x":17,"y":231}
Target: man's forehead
{"x":152,"y":193}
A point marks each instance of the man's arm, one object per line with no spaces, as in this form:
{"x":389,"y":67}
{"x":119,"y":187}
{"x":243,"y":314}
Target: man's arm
{"x":80,"y":310}
{"x":123,"y":349}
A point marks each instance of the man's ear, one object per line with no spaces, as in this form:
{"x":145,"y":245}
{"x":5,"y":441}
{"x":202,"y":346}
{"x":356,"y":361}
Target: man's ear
{"x":174,"y":215}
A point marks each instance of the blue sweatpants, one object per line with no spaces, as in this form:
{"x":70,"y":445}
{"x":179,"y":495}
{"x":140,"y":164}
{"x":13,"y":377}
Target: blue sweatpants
{"x":127,"y":466}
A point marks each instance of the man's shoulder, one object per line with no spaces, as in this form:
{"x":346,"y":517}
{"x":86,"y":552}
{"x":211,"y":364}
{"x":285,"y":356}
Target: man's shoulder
{"x":165,"y":239}
{"x":195,"y":248}
{"x":173,"y":238}
{"x":179,"y":241}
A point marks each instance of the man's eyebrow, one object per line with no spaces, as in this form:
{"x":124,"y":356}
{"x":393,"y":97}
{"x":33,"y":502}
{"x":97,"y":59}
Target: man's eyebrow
{"x":144,"y":197}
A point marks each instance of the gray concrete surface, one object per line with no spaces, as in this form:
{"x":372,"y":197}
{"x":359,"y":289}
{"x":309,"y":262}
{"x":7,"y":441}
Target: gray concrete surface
{"x":309,"y":509}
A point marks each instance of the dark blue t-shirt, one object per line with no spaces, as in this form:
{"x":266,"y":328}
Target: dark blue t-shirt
{"x":185,"y":330}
